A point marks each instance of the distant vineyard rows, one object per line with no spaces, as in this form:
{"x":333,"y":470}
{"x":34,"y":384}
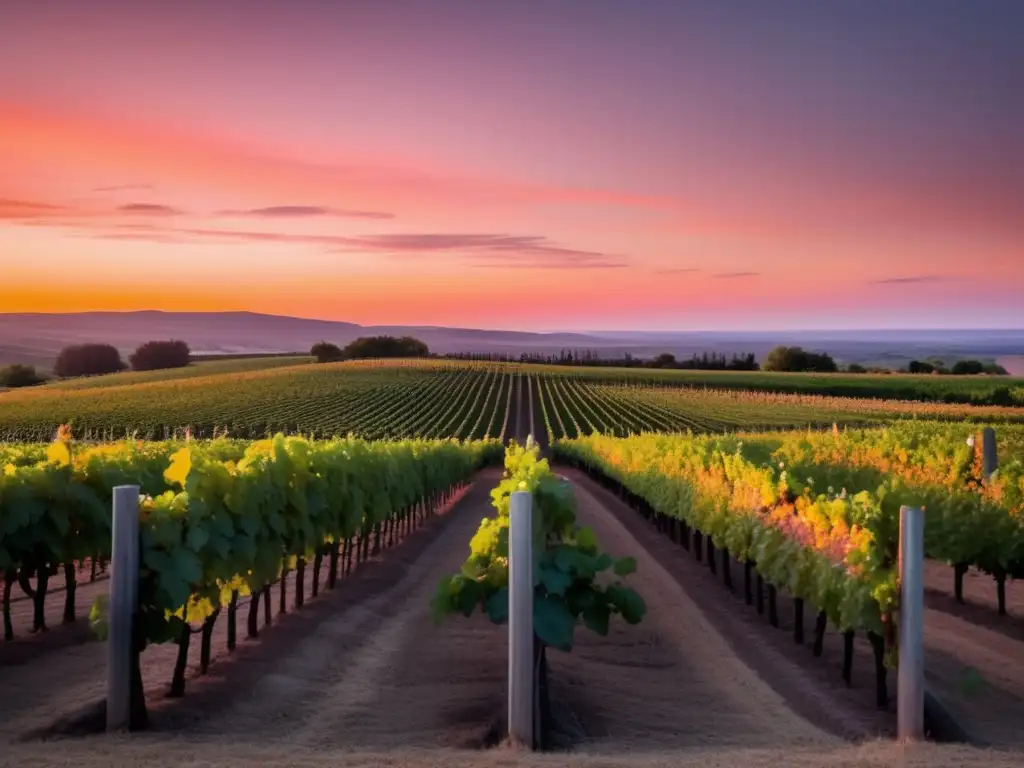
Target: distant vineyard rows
{"x":430,"y":399}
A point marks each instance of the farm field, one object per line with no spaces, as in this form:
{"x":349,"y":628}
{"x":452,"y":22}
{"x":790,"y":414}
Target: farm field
{"x":200,"y":367}
{"x":362,"y":670}
{"x":815,"y":517}
{"x":978,"y":390}
{"x":427,"y":398}
{"x":399,"y":683}
{"x":379,"y":608}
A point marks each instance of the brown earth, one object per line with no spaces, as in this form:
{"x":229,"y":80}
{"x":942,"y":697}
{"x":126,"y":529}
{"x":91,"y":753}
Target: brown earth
{"x":170,"y":752}
{"x":26,"y":644}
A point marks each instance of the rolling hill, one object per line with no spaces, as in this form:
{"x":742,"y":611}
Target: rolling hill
{"x":36,"y":338}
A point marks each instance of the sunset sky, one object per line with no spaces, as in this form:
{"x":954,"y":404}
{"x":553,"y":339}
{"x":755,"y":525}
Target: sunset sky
{"x":540,"y":165}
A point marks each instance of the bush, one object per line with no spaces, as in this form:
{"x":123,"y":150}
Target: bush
{"x":88,"y":360}
{"x":156,"y":355}
{"x":797,"y":359}
{"x":917,"y":366}
{"x":967,"y":368}
{"x":17,"y":375}
{"x":385,"y":346}
{"x":856,"y":368}
{"x":324,"y":352}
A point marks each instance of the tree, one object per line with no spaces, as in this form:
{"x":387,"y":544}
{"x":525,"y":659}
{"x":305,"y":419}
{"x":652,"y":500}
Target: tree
{"x":917,"y":366}
{"x":325,"y":352}
{"x":157,"y":355}
{"x":18,"y":375}
{"x":797,"y":359}
{"x":664,"y":360}
{"x":88,"y":360}
{"x":385,"y":346}
{"x":967,"y":368}
{"x":856,"y":368}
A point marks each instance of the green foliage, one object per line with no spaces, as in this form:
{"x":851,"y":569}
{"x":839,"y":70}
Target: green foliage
{"x":438,"y":399}
{"x":160,"y":355}
{"x":17,"y":375}
{"x":796,"y":359}
{"x":567,"y":562}
{"x":325,"y":352}
{"x":818,"y":513}
{"x":218,"y":516}
{"x":385,"y":346}
{"x":88,"y":360}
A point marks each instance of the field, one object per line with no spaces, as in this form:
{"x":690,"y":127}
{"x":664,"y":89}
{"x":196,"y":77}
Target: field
{"x":200,"y":368}
{"x":978,"y":390}
{"x":255,"y":398}
{"x":302,"y":568}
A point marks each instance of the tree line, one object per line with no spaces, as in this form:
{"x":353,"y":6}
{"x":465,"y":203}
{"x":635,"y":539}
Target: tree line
{"x":368,"y":347}
{"x":959,"y":368}
{"x":589,"y":357}
{"x":96,"y":359}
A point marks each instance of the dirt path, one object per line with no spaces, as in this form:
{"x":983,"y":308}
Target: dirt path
{"x":671,"y":682}
{"x":27,"y":645}
{"x":980,"y":605}
{"x":978,"y":675}
{"x":154,"y":752}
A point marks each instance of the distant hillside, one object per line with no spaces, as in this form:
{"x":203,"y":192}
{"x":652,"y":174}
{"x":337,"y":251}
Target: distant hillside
{"x":37,"y":338}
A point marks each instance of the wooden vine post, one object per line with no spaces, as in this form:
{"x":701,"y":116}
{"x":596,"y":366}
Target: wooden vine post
{"x":910,"y":689}
{"x":123,"y":605}
{"x":520,"y":620}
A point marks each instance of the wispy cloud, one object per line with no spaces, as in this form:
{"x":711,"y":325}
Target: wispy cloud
{"x":909,"y":280}
{"x":733,"y":275}
{"x":123,"y":188}
{"x":27,"y":209}
{"x":301,"y":211}
{"x":478,"y":250}
{"x":490,"y":250}
{"x":149,"y":209}
{"x":677,"y":271}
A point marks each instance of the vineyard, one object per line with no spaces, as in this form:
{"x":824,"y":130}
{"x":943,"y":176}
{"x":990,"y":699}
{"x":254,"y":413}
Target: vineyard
{"x":816,"y":514}
{"x":966,"y":390}
{"x":427,"y":399}
{"x":220,"y":519}
{"x":801,"y":523}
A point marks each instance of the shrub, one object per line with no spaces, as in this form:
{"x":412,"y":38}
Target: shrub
{"x":156,"y":355}
{"x":967,"y":368}
{"x":325,"y":352}
{"x":385,"y":346}
{"x":18,"y":375}
{"x":797,"y":359}
{"x":88,"y":360}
